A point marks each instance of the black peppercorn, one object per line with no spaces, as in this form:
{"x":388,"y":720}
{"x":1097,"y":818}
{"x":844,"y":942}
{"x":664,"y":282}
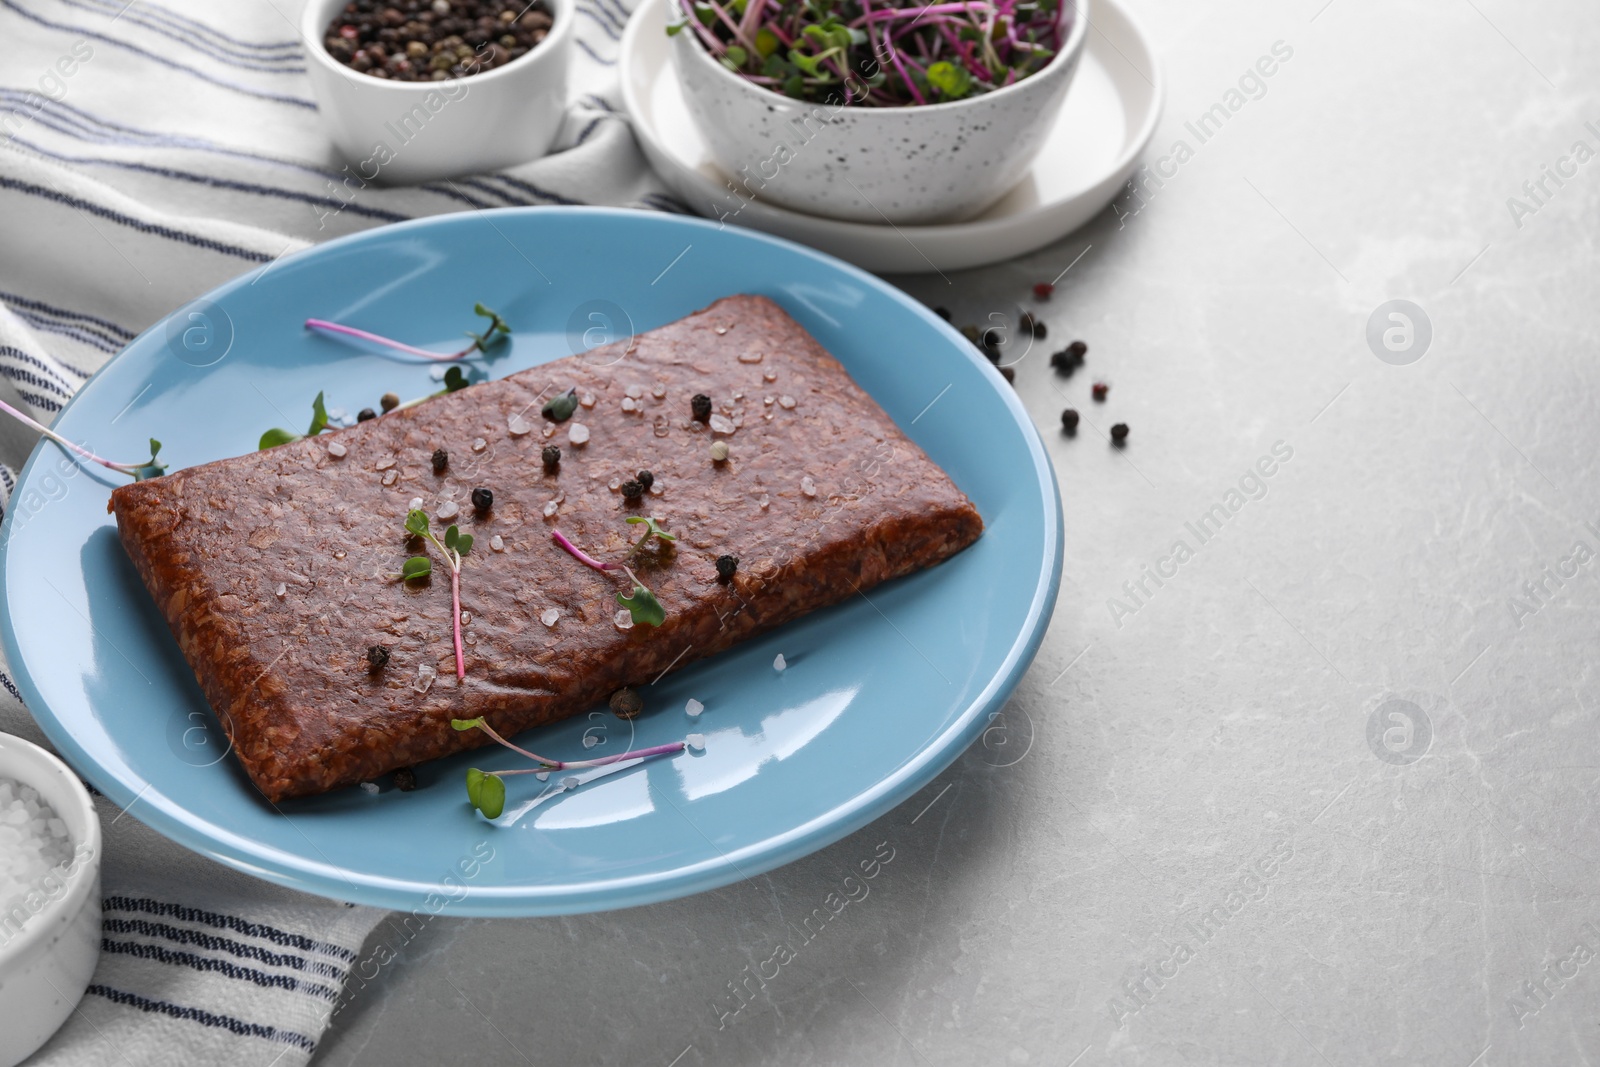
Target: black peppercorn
{"x":551,"y":456}
{"x":366,"y":415}
{"x":943,"y":313}
{"x":1098,"y":391}
{"x":378,"y":657}
{"x":1008,"y":374}
{"x":405,"y":779}
{"x":441,"y":460}
{"x":993,"y":338}
{"x":646,"y":479}
{"x":700,"y":407}
{"x":632,"y":490}
{"x":482,"y":499}
{"x":626,"y":704}
{"x":1119,"y":433}
{"x":1077,"y":350}
{"x":389,"y":401}
{"x":726,"y":565}
{"x":1063,"y":363}
{"x":1069,"y":420}
{"x":1031,"y":325}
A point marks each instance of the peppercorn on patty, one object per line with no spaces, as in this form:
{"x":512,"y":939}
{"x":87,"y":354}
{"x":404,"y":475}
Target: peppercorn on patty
{"x":277,"y":570}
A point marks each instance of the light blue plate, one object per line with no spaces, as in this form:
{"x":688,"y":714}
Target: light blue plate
{"x":879,"y":695}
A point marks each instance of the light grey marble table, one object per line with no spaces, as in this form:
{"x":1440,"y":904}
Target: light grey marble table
{"x":1322,"y":790}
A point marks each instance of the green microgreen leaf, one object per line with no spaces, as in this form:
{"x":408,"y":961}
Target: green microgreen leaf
{"x":416,"y":567}
{"x":466,"y":724}
{"x":767,"y":42}
{"x":643,"y":606}
{"x":953,"y":82}
{"x":463,"y":545}
{"x":560,"y":408}
{"x":417,"y":522}
{"x":151,"y":469}
{"x":276,"y":436}
{"x":652,"y":529}
{"x":734,"y":57}
{"x":319,"y":417}
{"x":497,"y":332}
{"x":450,"y":536}
{"x":455,"y":379}
{"x":675,"y":28}
{"x":486,"y":792}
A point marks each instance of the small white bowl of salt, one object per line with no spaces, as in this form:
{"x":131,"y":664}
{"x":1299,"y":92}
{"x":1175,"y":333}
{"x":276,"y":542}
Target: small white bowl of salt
{"x":49,"y":895}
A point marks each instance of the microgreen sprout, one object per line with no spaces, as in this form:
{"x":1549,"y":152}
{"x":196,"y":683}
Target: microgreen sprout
{"x":641,"y":603}
{"x":495,"y":333}
{"x":888,"y":53}
{"x":487,"y":793}
{"x":453,"y":547}
{"x":560,"y":408}
{"x":278,"y":436}
{"x":137,"y":471}
{"x":652,"y":527}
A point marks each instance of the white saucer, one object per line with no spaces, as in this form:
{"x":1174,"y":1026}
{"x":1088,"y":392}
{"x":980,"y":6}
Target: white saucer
{"x":1109,"y":116}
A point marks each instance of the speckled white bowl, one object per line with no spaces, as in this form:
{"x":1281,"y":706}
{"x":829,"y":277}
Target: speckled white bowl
{"x":46,"y":964}
{"x":934,"y":163}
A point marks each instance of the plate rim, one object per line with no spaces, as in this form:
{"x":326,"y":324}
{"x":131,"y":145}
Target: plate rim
{"x":328,"y":880}
{"x":836,"y":232}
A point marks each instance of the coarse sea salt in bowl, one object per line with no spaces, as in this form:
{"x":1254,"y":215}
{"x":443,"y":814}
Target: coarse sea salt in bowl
{"x":49,"y":895}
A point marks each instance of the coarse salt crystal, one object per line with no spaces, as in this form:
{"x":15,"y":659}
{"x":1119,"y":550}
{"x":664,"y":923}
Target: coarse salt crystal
{"x":390,"y":477}
{"x":779,"y":663}
{"x":516,"y":426}
{"x":623,"y":619}
{"x":751,"y":357}
{"x":615,"y":484}
{"x":416,"y":502}
{"x":466,"y":618}
{"x":282,"y":589}
{"x":448,"y":510}
{"x":336,"y":450}
{"x":721,"y":330}
{"x":808,"y":486}
{"x":655,"y":489}
{"x":479,"y":444}
{"x":550,"y":508}
{"x":590,"y":740}
{"x":370,"y":788}
{"x":628,"y":404}
{"x":762,"y":501}
{"x":425,"y":676}
{"x":578,"y":434}
{"x":569,"y":783}
{"x":437,"y":374}
{"x":658,"y":391}
{"x":786,"y":402}
{"x":549,"y":431}
{"x":769,"y":377}
{"x":768,"y":400}
{"x":634,"y":392}
{"x":543,"y":776}
{"x":497,"y":543}
{"x":696,"y":742}
{"x":549,"y":616}
{"x":587,"y":400}
{"x":338,"y":554}
{"x":722,"y":424}
{"x":694,"y":708}
{"x":384,"y":464}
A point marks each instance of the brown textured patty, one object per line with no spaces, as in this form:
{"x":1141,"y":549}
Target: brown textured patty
{"x":289,"y":676}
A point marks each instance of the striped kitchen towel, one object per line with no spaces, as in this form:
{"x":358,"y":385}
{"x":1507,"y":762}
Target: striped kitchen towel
{"x":150,"y":150}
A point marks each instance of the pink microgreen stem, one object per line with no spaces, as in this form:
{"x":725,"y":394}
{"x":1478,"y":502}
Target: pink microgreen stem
{"x":455,"y":600}
{"x":571,"y":765}
{"x":583,"y":557}
{"x":121,"y":468}
{"x":399,"y":346}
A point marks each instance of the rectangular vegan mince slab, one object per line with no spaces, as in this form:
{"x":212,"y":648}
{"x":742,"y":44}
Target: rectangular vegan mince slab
{"x":275,"y":569}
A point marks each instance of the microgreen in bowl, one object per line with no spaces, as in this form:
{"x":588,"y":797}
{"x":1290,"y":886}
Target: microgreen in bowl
{"x":495,"y":333}
{"x":642,"y":604}
{"x":452,"y":548}
{"x":487,"y":793}
{"x":893,"y":53}
{"x":137,"y":471}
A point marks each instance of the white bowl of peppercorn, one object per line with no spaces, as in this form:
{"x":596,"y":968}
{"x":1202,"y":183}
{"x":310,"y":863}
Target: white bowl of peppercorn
{"x":417,"y":90}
